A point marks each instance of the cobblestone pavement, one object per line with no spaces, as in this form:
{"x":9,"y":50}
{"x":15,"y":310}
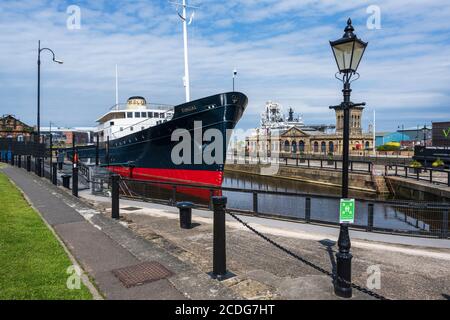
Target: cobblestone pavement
{"x":265,"y":272}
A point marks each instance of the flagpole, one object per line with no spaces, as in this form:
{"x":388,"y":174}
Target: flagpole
{"x":374,"y":135}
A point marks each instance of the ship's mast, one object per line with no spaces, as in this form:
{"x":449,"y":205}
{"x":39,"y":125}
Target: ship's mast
{"x":183,"y":17}
{"x":117,"y":89}
{"x":186,"y":63}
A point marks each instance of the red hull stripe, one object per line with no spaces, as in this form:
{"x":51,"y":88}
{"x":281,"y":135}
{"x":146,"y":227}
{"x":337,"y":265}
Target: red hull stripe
{"x":205,"y":177}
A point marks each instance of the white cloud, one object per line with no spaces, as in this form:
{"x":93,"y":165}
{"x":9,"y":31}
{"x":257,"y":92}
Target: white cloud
{"x":279,"y":47}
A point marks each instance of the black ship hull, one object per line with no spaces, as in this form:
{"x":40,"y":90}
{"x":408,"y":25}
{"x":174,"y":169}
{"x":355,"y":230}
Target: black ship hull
{"x":149,"y":154}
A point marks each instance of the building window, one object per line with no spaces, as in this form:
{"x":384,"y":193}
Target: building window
{"x":294,"y":147}
{"x":316,"y":146}
{"x":331,"y":146}
{"x":286,"y":146}
{"x":367,"y":145}
{"x":323,"y":147}
{"x":301,"y":146}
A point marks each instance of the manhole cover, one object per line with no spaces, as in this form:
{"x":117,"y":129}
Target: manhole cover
{"x":131,"y":208}
{"x":142,"y":273}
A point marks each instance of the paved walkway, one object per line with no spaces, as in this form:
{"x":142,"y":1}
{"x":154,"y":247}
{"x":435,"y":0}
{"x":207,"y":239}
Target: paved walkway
{"x":101,"y":245}
{"x":410,"y":268}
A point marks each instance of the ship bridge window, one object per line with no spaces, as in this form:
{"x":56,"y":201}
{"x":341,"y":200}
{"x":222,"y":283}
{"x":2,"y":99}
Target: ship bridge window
{"x":144,"y":114}
{"x":137,"y":114}
{"x":129,"y":114}
{"x":111,"y":123}
{"x":161,"y":115}
{"x":150,"y":114}
{"x":131,"y":128}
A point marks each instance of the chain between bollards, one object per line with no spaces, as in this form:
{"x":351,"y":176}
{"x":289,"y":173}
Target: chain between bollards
{"x":308,"y":263}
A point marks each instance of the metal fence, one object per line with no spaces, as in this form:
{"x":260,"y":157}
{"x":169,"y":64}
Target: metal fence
{"x":395,"y":217}
{"x":10,"y":147}
{"x":435,"y":176}
{"x":357,"y":166}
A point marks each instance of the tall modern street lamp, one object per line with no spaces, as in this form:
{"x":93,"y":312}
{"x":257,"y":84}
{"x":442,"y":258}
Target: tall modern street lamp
{"x":39,"y":86}
{"x":234,"y":76}
{"x":347,"y":52}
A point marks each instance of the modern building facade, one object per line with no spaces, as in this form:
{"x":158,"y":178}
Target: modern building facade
{"x":441,"y":134}
{"x":410,"y":137}
{"x":64,"y":137}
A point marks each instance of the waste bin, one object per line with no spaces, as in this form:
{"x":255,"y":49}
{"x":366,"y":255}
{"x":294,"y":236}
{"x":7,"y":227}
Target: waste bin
{"x":185,"y":214}
{"x":66,"y":180}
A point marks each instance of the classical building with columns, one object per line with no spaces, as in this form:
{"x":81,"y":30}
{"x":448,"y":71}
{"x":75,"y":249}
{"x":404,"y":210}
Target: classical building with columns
{"x":291,"y":137}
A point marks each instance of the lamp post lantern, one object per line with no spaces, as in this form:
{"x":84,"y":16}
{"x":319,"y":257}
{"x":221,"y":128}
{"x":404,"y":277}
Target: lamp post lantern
{"x":347,"y":52}
{"x":39,"y":86}
{"x":234,"y":76}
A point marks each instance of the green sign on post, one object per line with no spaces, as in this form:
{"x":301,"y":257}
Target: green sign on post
{"x":347,"y":211}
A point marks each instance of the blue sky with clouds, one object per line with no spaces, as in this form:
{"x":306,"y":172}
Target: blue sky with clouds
{"x":280,"y":48}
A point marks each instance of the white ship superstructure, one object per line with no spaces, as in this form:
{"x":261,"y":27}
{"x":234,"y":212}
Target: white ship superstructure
{"x":135,"y":115}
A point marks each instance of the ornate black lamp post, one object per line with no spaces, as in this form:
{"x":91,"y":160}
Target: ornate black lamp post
{"x":348,"y":52}
{"x":39,"y":86}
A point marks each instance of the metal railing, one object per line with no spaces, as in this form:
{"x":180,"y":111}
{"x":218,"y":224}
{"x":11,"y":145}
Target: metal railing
{"x":358,"y":166}
{"x":431,"y":175}
{"x":395,"y":217}
{"x":9,"y":147}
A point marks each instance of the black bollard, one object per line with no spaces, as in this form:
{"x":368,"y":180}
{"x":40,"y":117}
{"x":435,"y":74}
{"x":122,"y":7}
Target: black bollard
{"x":55,"y":173}
{"x":19,"y":161}
{"x":66,"y":180}
{"x":308,"y":210}
{"x":370,"y":217}
{"x":219,"y":248}
{"x":12,"y":159}
{"x":115,"y":214}
{"x":255,"y":202}
{"x":343,"y":286}
{"x":28,"y":163}
{"x":185,"y":214}
{"x":39,"y":167}
{"x":75,"y":181}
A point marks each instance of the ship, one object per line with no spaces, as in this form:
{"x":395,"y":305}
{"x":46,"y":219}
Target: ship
{"x":138,"y":142}
{"x":138,"y":136}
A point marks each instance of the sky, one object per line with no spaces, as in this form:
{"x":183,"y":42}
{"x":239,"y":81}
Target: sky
{"x":280,"y":49}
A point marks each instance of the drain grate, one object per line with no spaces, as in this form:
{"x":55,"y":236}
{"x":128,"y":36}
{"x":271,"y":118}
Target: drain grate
{"x":142,"y":273}
{"x":131,"y":208}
